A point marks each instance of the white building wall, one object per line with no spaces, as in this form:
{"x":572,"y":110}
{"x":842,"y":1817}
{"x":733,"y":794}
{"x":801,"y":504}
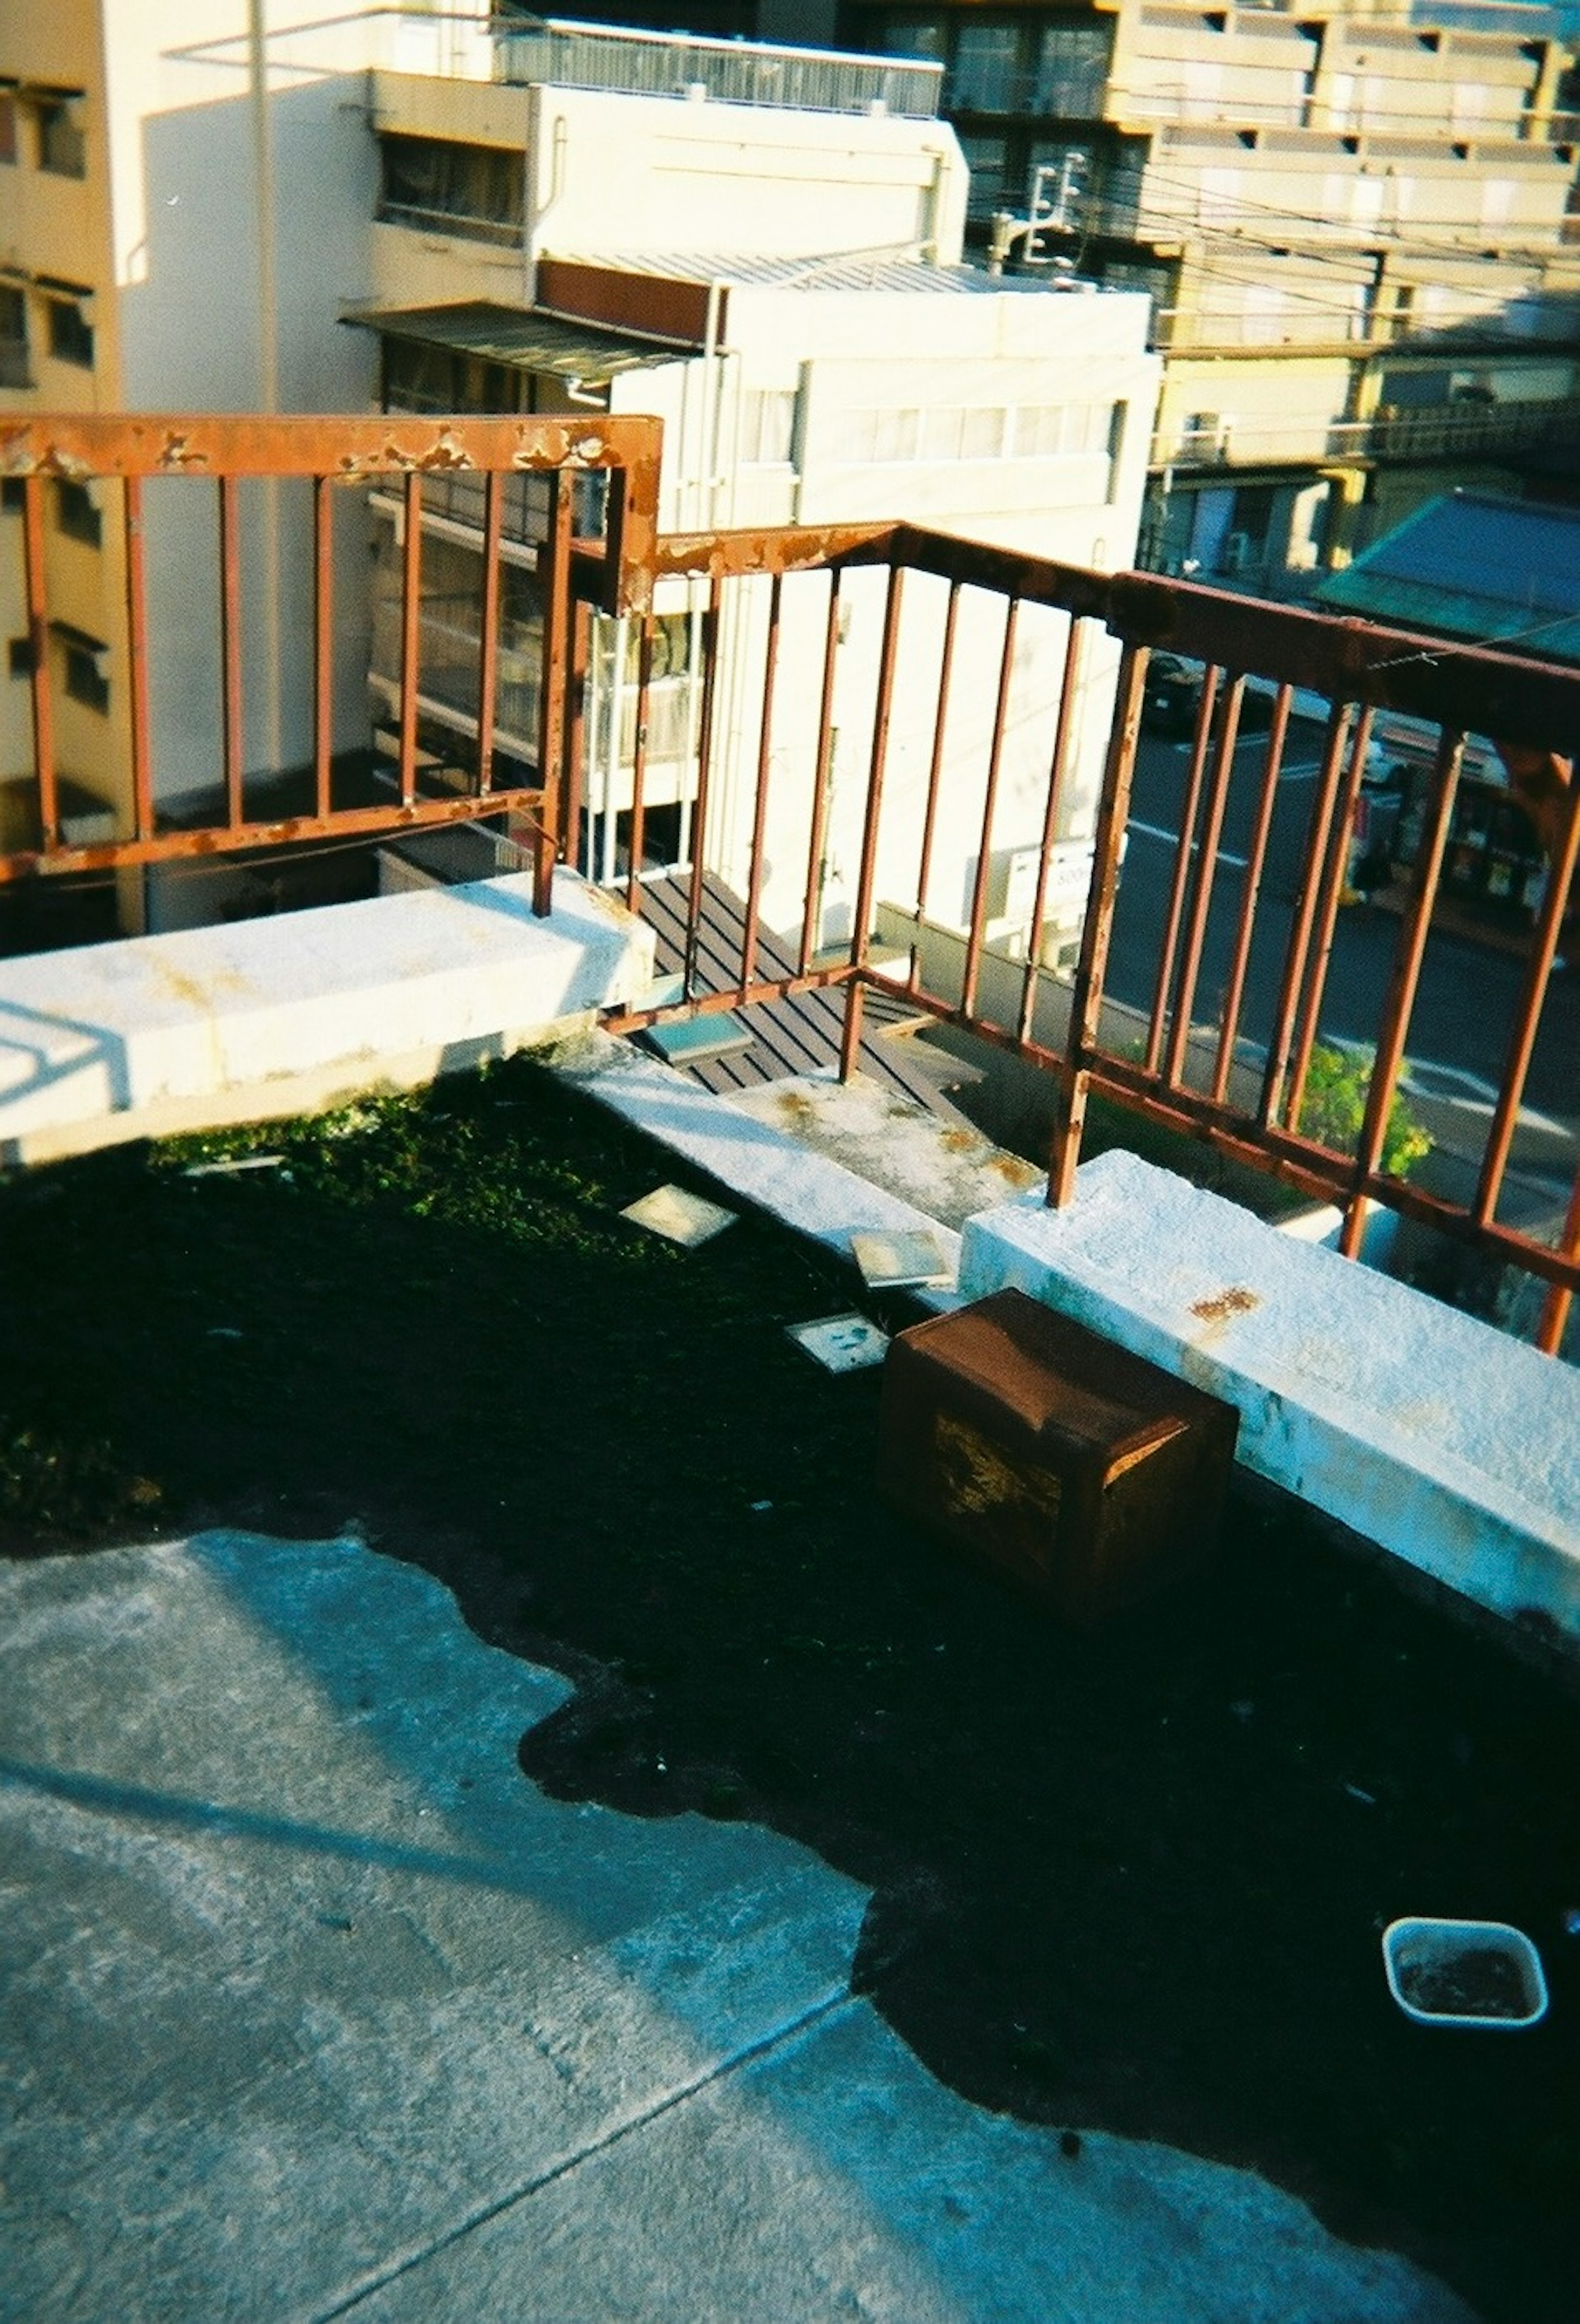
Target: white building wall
{"x":610,"y":173}
{"x":1047,"y":361}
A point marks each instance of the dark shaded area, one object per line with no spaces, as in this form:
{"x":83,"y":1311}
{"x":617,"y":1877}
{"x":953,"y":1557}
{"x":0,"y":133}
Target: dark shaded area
{"x":1133,"y":1881}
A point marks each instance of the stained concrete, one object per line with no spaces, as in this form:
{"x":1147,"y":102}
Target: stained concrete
{"x":1452,"y":1445}
{"x":313,"y":2005}
{"x":155,"y":1034}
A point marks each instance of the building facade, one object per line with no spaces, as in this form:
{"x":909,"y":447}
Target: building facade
{"x":1358,"y":226}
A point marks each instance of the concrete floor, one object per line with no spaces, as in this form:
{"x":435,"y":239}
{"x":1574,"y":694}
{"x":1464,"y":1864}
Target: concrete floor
{"x":313,"y":2005}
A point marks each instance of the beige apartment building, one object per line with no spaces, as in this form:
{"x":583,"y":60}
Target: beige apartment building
{"x":1359,"y":225}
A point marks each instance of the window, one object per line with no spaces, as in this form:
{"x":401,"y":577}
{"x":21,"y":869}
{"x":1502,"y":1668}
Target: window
{"x":768,"y":428}
{"x":87,"y":680}
{"x":14,"y":363}
{"x":896,"y":435}
{"x":7,"y":125}
{"x":672,"y":648}
{"x":76,"y":512}
{"x":986,"y":76}
{"x":1072,"y":66}
{"x":1039,"y":431}
{"x":478,"y":191}
{"x":19,"y":657}
{"x":417,"y":378}
{"x":986,"y":158}
{"x":963,"y":432}
{"x":71,"y":333}
{"x":914,"y":36}
{"x":62,"y":147}
{"x":13,"y":495}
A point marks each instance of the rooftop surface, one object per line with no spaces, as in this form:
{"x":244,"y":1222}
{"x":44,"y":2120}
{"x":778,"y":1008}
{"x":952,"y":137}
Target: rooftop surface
{"x":1497,"y":571}
{"x":319,"y":2005}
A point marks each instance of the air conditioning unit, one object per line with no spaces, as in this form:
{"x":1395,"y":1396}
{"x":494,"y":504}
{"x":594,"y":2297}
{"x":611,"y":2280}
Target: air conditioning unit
{"x":1235,"y":553}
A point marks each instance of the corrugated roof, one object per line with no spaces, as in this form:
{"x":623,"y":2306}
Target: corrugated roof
{"x":521,"y":337}
{"x":1501,"y":572}
{"x":849,"y":270}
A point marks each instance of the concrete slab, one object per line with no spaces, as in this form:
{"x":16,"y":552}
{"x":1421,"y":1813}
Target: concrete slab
{"x":747,"y":1145}
{"x":156,"y":1034}
{"x":943,"y":1168}
{"x":1451,"y":1444}
{"x":312,"y":2004}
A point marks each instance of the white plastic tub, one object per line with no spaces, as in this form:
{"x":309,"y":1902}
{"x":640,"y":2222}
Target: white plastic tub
{"x":1464,"y":1973}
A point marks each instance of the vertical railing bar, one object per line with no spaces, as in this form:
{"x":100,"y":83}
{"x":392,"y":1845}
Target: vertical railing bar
{"x":230,"y":588}
{"x":1206,"y":866}
{"x":1055,"y":776}
{"x":488,"y":630}
{"x":1402,"y":983}
{"x":38,"y":631}
{"x":553,"y":659}
{"x":576,"y":722}
{"x":976,"y":936}
{"x":1255,"y":862}
{"x":323,"y":642}
{"x":1191,"y":806}
{"x":1086,"y":998}
{"x":1561,"y":871}
{"x":1325,"y":920}
{"x":1313,"y":855}
{"x":1555,"y":1307}
{"x":934,"y":778}
{"x":710,"y":633}
{"x":141,"y":724}
{"x":644,"y":672}
{"x":410,"y":635}
{"x":818,"y":831}
{"x":760,"y":805}
{"x":882,"y":710}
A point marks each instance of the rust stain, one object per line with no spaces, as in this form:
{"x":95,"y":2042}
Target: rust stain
{"x":1017,"y":1173}
{"x":1217,"y":1309}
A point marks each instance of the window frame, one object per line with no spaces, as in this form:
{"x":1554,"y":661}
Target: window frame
{"x":69,"y":341}
{"x":84,"y":680}
{"x":63,"y":142}
{"x":454,"y":172}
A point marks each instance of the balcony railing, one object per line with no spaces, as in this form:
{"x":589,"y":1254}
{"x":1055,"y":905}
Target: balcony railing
{"x":571,"y":55}
{"x":493,"y":477}
{"x":900,"y":708}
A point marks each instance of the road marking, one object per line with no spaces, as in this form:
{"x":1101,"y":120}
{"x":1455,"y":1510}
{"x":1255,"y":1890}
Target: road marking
{"x":1171,"y":839}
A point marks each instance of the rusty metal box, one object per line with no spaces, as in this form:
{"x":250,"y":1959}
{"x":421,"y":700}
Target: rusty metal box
{"x":1077,"y":1470}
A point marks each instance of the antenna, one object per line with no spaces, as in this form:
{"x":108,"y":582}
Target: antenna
{"x":1047,"y":212}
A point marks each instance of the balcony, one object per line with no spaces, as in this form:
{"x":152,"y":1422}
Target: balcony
{"x":565,"y":54}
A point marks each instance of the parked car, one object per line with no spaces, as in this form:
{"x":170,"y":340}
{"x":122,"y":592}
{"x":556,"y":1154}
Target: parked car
{"x":1172,"y":695}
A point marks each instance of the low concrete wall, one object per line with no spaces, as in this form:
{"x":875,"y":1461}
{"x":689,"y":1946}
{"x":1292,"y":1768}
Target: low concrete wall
{"x":159,"y":1034}
{"x":1453,"y":1446}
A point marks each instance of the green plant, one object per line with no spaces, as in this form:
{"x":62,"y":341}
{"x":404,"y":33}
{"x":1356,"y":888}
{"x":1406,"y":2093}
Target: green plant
{"x":1334,"y":1107}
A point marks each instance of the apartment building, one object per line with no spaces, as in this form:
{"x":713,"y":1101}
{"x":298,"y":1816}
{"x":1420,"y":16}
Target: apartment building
{"x":412,"y":210}
{"x":1358,"y":226}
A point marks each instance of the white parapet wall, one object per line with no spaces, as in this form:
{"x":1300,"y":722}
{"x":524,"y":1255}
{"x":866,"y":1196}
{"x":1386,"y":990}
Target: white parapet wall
{"x":1453,"y":1446}
{"x":267,"y":1017}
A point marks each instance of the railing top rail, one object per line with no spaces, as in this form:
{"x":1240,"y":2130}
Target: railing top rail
{"x":155,"y":444}
{"x":1483,"y":688}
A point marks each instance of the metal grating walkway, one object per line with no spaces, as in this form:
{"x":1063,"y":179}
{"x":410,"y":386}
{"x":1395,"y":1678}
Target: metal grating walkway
{"x":797,"y":1035}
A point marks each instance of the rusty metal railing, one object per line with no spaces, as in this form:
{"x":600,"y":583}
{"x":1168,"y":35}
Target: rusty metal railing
{"x":912,"y":757}
{"x":416,"y":459}
{"x":1099,"y":632}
